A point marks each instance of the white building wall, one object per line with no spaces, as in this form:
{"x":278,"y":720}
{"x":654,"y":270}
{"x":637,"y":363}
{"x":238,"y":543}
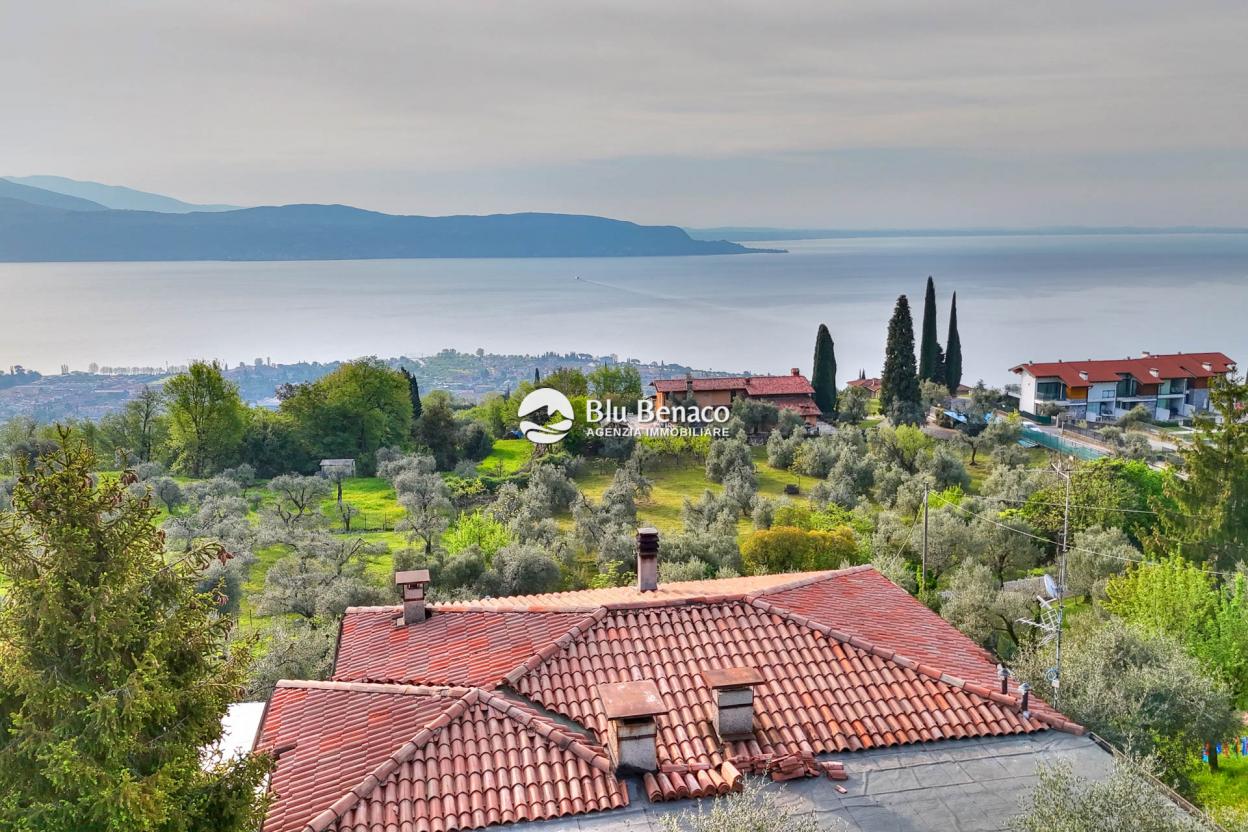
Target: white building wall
{"x":1027,"y":393}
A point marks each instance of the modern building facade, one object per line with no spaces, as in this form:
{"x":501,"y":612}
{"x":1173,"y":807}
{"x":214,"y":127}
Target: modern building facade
{"x":1172,"y":387}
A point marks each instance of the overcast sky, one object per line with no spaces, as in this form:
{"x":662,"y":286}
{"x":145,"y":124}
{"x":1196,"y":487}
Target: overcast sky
{"x":832,"y":113}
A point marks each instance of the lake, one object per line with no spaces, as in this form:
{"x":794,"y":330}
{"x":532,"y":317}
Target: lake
{"x":1019,"y":298}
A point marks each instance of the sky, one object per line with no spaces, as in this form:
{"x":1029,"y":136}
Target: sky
{"x":831,"y":113}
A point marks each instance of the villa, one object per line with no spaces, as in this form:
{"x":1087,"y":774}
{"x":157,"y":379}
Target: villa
{"x":606,"y":709}
{"x":792,"y":392}
{"x":1172,"y":387}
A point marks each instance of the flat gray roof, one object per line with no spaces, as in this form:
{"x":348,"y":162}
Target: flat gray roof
{"x":951,"y":786}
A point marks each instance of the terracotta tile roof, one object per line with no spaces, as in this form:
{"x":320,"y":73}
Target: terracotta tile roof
{"x":395,"y":758}
{"x":1177,"y":365}
{"x":791,"y":384}
{"x":487,"y":644}
{"x":848,"y":661}
{"x":679,"y":385}
{"x":805,"y":405}
{"x":872,"y":384}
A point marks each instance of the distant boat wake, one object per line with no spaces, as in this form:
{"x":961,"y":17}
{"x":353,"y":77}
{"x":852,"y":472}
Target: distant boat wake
{"x":676,"y":299}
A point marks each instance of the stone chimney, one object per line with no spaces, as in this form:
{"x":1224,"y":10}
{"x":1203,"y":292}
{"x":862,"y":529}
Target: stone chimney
{"x":630,"y":708}
{"x":413,"y":584}
{"x":733,"y":688}
{"x":647,"y":559}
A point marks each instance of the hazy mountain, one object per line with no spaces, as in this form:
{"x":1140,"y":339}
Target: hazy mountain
{"x":49,"y":199}
{"x":40,"y":232}
{"x":115,"y":196}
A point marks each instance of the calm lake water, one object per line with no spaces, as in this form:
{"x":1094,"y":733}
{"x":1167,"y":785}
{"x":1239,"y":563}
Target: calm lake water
{"x":1019,"y":298}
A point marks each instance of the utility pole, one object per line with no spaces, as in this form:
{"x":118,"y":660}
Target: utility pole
{"x":923,"y":567}
{"x":1061,"y":589}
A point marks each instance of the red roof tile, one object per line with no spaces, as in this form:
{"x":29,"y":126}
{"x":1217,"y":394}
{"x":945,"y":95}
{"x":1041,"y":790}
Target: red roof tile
{"x":848,"y":661}
{"x":752,"y":385}
{"x":393,"y":758}
{"x":485,"y":645}
{"x":1178,"y":365}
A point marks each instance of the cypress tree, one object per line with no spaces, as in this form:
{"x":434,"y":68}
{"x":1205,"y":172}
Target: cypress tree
{"x":929,"y":347}
{"x":413,"y":392}
{"x":823,"y":376}
{"x":953,"y":351}
{"x":537,"y":375}
{"x":899,"y":383}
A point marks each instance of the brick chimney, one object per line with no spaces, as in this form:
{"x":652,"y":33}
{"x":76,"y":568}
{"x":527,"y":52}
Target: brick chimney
{"x":733,"y":688}
{"x":647,"y":559}
{"x":630,"y":708}
{"x":413,"y":583}
{"x":795,"y":372}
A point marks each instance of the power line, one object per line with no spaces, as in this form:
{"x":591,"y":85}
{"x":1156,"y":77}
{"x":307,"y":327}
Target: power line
{"x":986,"y":519}
{"x":1094,"y":508}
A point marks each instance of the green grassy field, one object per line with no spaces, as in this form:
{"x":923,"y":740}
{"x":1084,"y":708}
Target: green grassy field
{"x":1226,"y":788}
{"x":508,"y":456}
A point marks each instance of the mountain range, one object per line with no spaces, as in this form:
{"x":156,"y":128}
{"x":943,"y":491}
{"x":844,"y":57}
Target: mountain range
{"x":58,"y":222}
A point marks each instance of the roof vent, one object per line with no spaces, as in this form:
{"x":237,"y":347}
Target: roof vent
{"x":413,"y":583}
{"x":734,"y":700}
{"x":630,"y":708}
{"x":1154,"y":372}
{"x":1208,"y":366}
{"x":1083,"y":374}
{"x":647,"y":559}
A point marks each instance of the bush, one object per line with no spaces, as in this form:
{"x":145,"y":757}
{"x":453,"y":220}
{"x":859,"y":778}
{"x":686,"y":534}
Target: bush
{"x":789,"y":549}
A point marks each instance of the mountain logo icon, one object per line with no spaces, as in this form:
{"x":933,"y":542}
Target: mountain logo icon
{"x":560,"y":412}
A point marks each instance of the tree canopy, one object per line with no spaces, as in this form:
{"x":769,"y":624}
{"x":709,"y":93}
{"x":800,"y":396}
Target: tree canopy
{"x":114,"y":670}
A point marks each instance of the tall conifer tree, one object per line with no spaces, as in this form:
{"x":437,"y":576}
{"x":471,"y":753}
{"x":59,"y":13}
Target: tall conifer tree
{"x":899,"y":384}
{"x":953,"y":350}
{"x":929,"y":348}
{"x":823,"y":376}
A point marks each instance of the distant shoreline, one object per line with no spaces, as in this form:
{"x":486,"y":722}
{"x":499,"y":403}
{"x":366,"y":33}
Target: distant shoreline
{"x":757,"y":235}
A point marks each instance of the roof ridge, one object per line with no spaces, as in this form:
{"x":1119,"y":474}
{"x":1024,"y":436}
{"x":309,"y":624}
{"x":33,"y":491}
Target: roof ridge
{"x":582,"y":626}
{"x":1054,"y":720}
{"x":339,"y":808}
{"x":824,"y":575}
{"x":446,"y":691}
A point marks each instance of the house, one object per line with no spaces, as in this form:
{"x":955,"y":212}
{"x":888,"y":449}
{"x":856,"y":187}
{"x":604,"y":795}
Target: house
{"x":792,"y":392}
{"x":871,"y":385}
{"x":605,"y":709}
{"x":1172,"y":387}
{"x":338,"y":468}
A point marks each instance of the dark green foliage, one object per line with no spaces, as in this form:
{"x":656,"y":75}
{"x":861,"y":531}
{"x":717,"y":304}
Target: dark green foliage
{"x":272,"y":445}
{"x":953,"y":349}
{"x":899,"y":390}
{"x":352,"y":412}
{"x":1207,"y":511}
{"x":413,"y":387}
{"x":438,"y":430}
{"x":207,"y":418}
{"x":823,"y":376}
{"x":930,"y":354}
{"x":116,"y":671}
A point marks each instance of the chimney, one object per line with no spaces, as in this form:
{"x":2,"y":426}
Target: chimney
{"x":795,"y":372}
{"x":647,"y":559}
{"x":734,"y":700}
{"x":413,"y":583}
{"x":1145,"y":353}
{"x":688,"y":385}
{"x":630,"y":708}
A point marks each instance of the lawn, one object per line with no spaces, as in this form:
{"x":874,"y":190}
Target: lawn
{"x":1225,"y":788}
{"x":508,"y":456}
